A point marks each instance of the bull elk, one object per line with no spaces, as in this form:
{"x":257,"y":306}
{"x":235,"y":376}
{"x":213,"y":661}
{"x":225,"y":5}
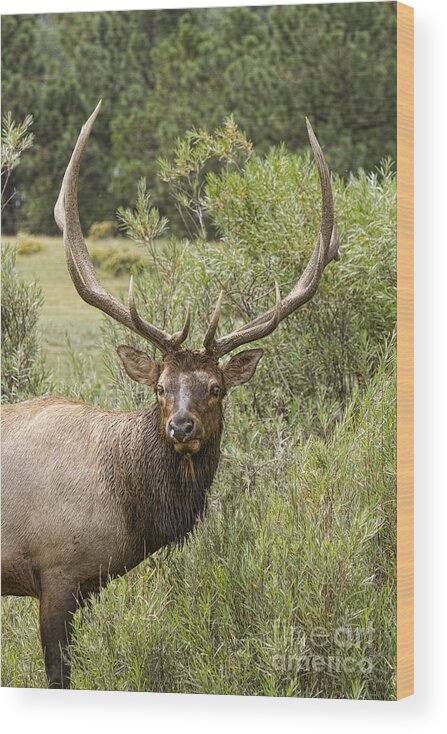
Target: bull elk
{"x":88,"y":493}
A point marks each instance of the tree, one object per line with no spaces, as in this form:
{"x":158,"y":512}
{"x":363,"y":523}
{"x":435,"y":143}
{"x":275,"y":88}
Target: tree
{"x":162,"y":72}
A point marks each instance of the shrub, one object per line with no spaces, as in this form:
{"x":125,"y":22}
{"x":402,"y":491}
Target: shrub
{"x":144,"y":225}
{"x":15,"y":140}
{"x":23,"y":369}
{"x":194,"y":155}
{"x":118,"y":262}
{"x":28,"y":245}
{"x":268,"y":219}
{"x":102,"y":230}
{"x":267,"y":214}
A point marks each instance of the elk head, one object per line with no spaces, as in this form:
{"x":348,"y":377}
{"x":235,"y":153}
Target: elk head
{"x":190,"y":385}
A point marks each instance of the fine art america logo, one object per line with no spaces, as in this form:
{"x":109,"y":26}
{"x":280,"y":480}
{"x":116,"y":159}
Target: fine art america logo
{"x":343,"y":650}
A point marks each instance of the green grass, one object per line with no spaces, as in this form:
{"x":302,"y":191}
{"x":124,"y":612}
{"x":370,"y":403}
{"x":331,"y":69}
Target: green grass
{"x":64,"y":312}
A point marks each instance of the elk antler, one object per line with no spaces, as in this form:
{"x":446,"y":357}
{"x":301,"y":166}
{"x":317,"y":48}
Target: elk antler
{"x":81,"y":267}
{"x":326,"y":249}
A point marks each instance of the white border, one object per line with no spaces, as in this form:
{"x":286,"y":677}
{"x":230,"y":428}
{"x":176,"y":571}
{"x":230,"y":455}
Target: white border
{"x":75,"y":711}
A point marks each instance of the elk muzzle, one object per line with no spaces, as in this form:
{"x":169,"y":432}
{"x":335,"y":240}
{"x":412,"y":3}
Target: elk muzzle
{"x":184,"y":432}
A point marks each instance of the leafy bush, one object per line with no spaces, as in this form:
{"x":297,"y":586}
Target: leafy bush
{"x":23,"y":370}
{"x":267,"y":213}
{"x":194,"y":156}
{"x":28,"y":245}
{"x":144,"y":225}
{"x":294,"y":564}
{"x":102,"y":230}
{"x":14,"y":141}
{"x":118,"y":261}
{"x":268,"y":218}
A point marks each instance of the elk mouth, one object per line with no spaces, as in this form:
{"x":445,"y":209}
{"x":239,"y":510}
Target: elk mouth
{"x":187,"y":447}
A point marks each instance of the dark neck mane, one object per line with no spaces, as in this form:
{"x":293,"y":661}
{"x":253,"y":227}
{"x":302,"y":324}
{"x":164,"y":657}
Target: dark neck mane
{"x":163,"y":493}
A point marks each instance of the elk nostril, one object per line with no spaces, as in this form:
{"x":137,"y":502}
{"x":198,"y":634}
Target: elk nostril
{"x":188,"y":427}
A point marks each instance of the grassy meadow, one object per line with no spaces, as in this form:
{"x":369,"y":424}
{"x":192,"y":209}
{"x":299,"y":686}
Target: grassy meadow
{"x":287,"y":588}
{"x":63,"y":313}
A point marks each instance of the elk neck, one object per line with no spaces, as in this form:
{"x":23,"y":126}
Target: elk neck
{"x":161,"y":493}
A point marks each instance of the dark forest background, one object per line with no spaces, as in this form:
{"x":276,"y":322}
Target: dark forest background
{"x":162,"y":72}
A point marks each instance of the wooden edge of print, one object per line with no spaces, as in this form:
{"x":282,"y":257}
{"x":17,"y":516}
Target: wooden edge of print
{"x":405,"y":352}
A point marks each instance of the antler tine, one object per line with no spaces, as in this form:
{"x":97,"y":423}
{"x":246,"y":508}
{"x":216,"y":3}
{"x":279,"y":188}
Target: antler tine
{"x":325,"y":250}
{"x":243,"y":335}
{"x":79,"y":263}
{"x":275,"y":317}
{"x":208,"y":341}
{"x":180,"y":336}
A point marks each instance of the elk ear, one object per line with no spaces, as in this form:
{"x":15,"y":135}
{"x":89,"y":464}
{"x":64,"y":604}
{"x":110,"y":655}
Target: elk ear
{"x":139,"y":366}
{"x":241,"y":367}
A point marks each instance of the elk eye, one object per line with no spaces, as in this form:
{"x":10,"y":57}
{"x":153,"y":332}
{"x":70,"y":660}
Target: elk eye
{"x":215,"y":390}
{"x":160,"y":390}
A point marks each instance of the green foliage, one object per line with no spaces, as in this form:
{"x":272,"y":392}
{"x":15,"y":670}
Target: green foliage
{"x":160,"y":72}
{"x":14,"y":141}
{"x":23,"y":370}
{"x":102,"y":230}
{"x":266,"y":212}
{"x":118,"y":261}
{"x":286,"y":589}
{"x":28,"y":245}
{"x":192,"y":157}
{"x":268,"y":218}
{"x":270,"y":67}
{"x":144,"y":225}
